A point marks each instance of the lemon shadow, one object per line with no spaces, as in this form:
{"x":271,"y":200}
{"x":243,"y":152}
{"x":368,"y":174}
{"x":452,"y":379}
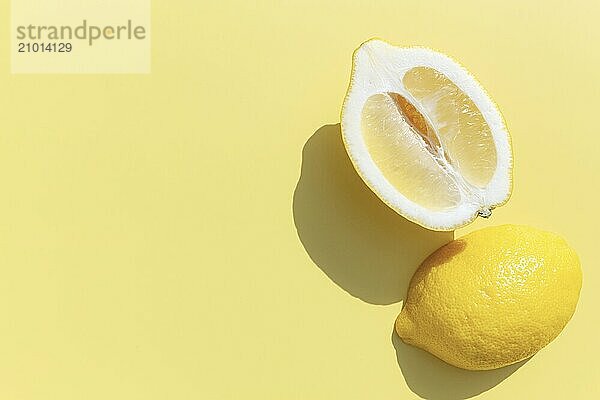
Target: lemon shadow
{"x":361,"y":244}
{"x":431,"y":378}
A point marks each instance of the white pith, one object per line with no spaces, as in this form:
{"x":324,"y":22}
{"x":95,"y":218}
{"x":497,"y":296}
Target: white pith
{"x":379,"y":68}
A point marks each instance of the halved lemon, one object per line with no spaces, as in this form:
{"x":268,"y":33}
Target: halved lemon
{"x":425,"y":136}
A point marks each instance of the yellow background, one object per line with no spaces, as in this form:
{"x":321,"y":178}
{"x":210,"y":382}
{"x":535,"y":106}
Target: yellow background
{"x":157,"y":240}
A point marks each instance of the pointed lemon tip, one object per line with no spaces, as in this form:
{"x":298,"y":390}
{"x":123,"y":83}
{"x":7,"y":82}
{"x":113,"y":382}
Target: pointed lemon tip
{"x":404,"y":326}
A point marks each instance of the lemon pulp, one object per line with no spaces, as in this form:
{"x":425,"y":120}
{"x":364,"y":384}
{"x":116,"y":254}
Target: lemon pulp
{"x":434,"y":148}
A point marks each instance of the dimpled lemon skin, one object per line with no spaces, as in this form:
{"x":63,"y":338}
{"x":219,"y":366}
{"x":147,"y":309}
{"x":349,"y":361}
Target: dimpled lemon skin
{"x":492,"y":298}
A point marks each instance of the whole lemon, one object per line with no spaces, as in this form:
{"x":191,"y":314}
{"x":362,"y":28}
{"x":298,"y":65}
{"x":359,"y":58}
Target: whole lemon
{"x":491,"y":298}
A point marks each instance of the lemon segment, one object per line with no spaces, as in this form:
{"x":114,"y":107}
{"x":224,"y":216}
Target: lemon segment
{"x":465,"y":136}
